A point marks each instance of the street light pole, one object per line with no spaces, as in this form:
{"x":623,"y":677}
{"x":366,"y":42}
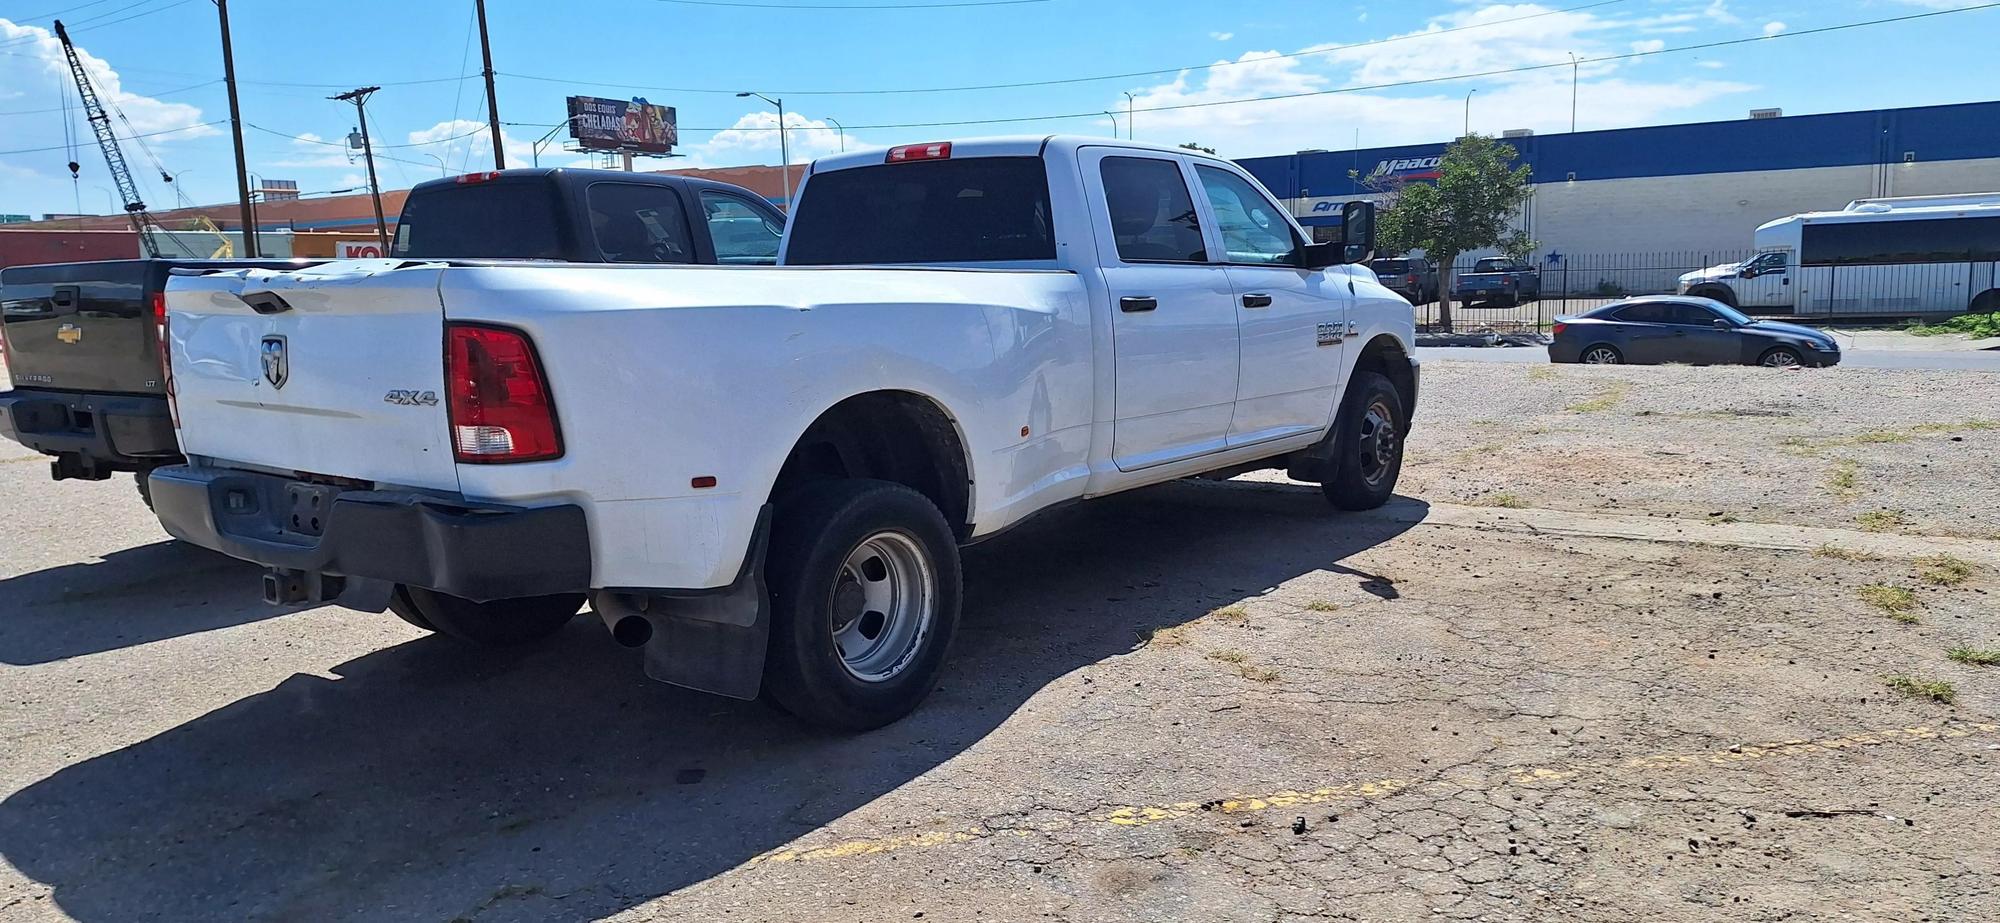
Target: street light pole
{"x":1572,"y":92}
{"x":1468,"y":111}
{"x":536,"y":151}
{"x":1114,"y":122}
{"x":1130,"y":123}
{"x":784,"y":145}
{"x":359,"y":97}
{"x":839,"y":128}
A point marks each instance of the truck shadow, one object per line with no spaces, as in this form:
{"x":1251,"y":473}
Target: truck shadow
{"x":133,"y":596}
{"x":433,"y":781}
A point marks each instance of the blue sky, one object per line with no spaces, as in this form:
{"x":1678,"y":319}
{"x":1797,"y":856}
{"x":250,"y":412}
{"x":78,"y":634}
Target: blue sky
{"x":159,"y":59}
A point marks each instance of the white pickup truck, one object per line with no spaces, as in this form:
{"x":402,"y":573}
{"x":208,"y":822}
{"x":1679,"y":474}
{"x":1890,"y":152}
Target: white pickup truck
{"x":762,"y":475}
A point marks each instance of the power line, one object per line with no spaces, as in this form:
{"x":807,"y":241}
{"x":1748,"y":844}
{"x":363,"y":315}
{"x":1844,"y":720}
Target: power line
{"x":1724,"y":43}
{"x":1097,"y":77}
{"x":150,"y":134}
{"x":171,"y":92}
{"x":95,"y":22}
{"x":379,"y":147}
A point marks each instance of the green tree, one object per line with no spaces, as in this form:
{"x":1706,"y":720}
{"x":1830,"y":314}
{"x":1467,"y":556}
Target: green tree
{"x":1192,"y":146}
{"x":1471,"y":206}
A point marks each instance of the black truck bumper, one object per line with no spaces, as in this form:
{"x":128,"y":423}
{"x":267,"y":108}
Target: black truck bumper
{"x":91,"y":435}
{"x":309,"y":532}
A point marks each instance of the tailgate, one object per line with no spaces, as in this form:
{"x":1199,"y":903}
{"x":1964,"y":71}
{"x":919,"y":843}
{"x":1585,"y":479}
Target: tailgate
{"x":334,"y":370}
{"x":81,"y":327}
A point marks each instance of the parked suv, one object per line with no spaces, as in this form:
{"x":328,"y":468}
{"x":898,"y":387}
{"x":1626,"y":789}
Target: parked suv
{"x":1413,"y":277}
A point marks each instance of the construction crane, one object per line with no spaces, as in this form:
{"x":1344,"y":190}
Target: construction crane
{"x":100,"y":123}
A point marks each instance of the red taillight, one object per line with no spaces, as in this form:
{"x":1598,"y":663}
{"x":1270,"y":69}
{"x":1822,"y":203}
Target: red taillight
{"x":908,"y":152}
{"x":1507,"y":279}
{"x":160,"y":331}
{"x":1559,"y":329}
{"x":500,"y":406}
{"x":1411,"y":279}
{"x":468,"y":178}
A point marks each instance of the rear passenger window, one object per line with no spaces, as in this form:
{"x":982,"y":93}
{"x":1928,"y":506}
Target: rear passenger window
{"x":1692,"y":315}
{"x":1152,"y":214}
{"x":635,"y":223}
{"x":1648,"y":313}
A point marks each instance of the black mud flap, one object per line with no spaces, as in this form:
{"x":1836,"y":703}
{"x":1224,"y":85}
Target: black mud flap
{"x":707,"y":640}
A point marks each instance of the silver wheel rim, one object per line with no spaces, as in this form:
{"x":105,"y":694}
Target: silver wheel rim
{"x":1779,"y":358}
{"x":883,"y":601}
{"x":1379,"y":442}
{"x":1602,"y":355}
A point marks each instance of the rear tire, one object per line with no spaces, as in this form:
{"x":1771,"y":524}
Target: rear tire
{"x":145,"y":488}
{"x":1368,"y":444}
{"x":1986,"y":302}
{"x":405,"y":608}
{"x":499,"y":623}
{"x":1601,"y":354}
{"x":864,"y":579}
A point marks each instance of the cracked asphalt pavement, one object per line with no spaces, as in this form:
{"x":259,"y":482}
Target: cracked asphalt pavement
{"x":1624,"y":651}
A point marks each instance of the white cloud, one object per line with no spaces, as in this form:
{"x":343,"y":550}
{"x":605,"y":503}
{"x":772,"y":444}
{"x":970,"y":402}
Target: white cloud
{"x":1773,"y":27}
{"x":753,"y":139}
{"x":1647,"y":46}
{"x":1610,"y":94}
{"x":1222,"y":36}
{"x":1361,"y":16}
{"x":1718,"y":11}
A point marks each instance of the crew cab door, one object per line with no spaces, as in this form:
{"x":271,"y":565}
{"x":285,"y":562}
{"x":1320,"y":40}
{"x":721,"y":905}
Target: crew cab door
{"x":1289,"y":371}
{"x":1173,"y":312}
{"x":1769,"y":283}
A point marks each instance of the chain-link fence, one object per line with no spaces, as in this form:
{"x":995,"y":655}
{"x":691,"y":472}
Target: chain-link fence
{"x":1565,"y":283}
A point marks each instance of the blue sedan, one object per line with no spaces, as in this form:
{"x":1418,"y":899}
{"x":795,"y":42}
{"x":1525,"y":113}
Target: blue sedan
{"x":1677,"y":328}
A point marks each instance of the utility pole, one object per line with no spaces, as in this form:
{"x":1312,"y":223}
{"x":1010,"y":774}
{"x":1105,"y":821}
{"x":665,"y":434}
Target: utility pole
{"x":360,"y":100}
{"x":250,"y":248}
{"x":492,"y":102}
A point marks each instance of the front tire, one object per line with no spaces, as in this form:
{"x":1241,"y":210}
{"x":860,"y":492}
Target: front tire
{"x":864,"y":581}
{"x":1780,"y":357}
{"x":1368,"y":444}
{"x":500,"y":623}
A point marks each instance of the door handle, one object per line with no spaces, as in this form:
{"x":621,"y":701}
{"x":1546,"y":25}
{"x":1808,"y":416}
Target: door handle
{"x":1133,"y":304}
{"x":1256,"y":300}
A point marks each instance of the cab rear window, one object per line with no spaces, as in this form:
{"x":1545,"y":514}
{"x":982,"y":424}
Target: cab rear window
{"x":971,"y":210}
{"x":493,"y":220}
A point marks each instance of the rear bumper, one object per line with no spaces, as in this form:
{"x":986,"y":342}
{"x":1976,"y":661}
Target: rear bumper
{"x":95,"y":433}
{"x":478,"y":551}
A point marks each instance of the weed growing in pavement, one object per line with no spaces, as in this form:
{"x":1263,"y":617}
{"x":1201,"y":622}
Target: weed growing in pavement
{"x":1896,"y":602}
{"x":1609,"y":398}
{"x":1844,"y":477}
{"x":1936,"y":690}
{"x":1257,"y":674}
{"x":1880,"y":436}
{"x":1321,"y":605}
{"x":1542,"y":373}
{"x":1163,"y":636}
{"x":1943,"y":570}
{"x":1844,"y":554}
{"x":1972,"y":655}
{"x":1234,"y":613}
{"x":1882,"y":520}
{"x":1503,"y":500}
{"x":1228,"y":655}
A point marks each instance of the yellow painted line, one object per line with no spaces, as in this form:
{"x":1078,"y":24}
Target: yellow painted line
{"x":1143,"y":815}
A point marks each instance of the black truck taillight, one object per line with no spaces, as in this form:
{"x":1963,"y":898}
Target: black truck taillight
{"x":499,"y":402}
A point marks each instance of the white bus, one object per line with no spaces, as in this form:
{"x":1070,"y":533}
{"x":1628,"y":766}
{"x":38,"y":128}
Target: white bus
{"x":1911,"y":256}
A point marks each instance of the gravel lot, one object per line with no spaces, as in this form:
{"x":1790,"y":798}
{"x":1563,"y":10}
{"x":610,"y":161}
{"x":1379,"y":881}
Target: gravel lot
{"x":1575,"y":676}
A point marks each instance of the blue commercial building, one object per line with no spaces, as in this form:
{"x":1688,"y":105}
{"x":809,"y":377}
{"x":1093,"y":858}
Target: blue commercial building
{"x":1693,"y":188}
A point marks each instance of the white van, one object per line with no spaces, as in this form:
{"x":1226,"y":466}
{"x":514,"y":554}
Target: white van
{"x":1917,"y":255}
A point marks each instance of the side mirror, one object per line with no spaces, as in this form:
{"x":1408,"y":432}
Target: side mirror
{"x":1746,"y":274}
{"x":1721,"y":324}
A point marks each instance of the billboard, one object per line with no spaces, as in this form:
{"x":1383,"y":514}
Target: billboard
{"x":635,"y":126}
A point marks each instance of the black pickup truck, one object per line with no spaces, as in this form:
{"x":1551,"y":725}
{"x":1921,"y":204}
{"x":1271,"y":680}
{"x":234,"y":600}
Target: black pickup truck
{"x":82,"y":340}
{"x":82,"y":345}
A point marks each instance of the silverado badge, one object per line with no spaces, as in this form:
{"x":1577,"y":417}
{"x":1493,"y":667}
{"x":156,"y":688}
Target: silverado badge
{"x":69,"y":333}
{"x":277,"y":365}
